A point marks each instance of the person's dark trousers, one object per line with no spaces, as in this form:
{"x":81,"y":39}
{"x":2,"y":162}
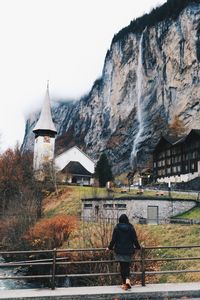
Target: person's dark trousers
{"x":124,"y":270}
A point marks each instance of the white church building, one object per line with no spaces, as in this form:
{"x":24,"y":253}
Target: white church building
{"x":73,"y":165}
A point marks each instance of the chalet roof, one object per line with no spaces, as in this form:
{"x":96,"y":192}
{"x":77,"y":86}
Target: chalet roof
{"x":182,"y":139}
{"x":195,"y":131}
{"x":173,"y":140}
{"x":163,"y":140}
{"x":45,"y":121}
{"x":75,"y":168}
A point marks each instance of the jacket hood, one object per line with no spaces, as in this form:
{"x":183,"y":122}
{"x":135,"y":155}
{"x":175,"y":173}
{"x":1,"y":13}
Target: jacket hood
{"x":123,"y":226}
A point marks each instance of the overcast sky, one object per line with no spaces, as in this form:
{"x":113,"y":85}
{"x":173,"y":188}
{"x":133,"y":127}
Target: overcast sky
{"x":63,"y":41}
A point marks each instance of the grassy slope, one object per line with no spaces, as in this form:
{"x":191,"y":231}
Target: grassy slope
{"x":68,"y":200}
{"x":193,"y":213}
{"x":177,"y":235}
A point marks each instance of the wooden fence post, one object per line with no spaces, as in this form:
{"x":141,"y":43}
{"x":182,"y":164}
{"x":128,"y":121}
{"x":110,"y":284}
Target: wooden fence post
{"x":53,"y":269}
{"x":143,"y":266}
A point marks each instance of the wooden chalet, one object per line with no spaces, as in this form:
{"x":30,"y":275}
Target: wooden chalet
{"x":177,"y":159}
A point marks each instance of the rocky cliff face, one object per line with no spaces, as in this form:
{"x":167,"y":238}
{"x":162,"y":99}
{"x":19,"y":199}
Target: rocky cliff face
{"x":149,"y":78}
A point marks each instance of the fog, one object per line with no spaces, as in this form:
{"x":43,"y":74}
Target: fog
{"x":62,"y":41}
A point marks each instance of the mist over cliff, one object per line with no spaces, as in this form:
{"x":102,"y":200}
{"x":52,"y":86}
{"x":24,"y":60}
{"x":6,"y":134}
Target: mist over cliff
{"x":151,"y":76}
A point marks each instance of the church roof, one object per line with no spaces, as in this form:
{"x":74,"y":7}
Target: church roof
{"x":45,"y":121}
{"x":75,"y":168}
{"x":74,"y":154}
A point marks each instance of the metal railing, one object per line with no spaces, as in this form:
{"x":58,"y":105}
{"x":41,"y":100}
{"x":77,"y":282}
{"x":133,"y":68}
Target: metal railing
{"x":54,"y":261}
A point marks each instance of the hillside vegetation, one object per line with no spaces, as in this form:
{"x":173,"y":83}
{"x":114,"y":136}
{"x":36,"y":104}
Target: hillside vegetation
{"x":68,"y":199}
{"x":92,"y":235}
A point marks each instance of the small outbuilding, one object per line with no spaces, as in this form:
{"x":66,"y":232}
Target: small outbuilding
{"x":139,"y":209}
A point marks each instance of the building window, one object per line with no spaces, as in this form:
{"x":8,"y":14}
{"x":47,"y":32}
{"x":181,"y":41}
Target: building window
{"x":46,"y":139}
{"x":168,"y":161}
{"x":161,"y":155}
{"x":108,"y":206}
{"x":120,"y":206}
{"x":194,"y":154}
{"x":87,"y":205}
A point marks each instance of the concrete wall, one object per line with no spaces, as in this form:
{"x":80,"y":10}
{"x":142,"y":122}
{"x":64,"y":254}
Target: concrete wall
{"x":134,"y":208}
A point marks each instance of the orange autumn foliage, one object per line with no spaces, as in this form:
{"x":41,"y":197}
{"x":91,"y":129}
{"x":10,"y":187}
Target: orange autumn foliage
{"x":177,"y":127}
{"x":51,"y":233}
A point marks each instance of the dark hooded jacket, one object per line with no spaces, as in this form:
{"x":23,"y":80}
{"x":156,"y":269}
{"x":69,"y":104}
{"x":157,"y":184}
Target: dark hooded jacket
{"x":124,"y":239}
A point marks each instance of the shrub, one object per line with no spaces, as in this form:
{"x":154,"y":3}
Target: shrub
{"x":50,"y":233}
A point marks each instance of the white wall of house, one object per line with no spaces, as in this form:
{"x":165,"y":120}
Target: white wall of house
{"x":181,"y":178}
{"x":74,"y":154}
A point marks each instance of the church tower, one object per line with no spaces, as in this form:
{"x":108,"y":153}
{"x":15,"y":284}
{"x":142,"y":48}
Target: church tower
{"x":45,"y":133}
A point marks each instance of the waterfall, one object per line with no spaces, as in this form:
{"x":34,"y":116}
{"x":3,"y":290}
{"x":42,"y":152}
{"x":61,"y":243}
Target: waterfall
{"x":140,"y":120}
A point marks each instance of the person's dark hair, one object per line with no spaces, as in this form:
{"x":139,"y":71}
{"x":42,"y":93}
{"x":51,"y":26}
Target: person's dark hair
{"x":123,"y":219}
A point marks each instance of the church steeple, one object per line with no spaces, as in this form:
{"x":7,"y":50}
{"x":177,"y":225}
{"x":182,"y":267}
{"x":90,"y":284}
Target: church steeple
{"x":45,"y":121}
{"x":45,"y":133}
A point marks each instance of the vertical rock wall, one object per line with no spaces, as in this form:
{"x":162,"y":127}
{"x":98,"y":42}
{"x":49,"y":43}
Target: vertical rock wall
{"x":107,"y":118}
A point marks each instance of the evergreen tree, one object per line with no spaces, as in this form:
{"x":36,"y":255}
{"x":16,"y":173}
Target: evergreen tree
{"x":103,"y":171}
{"x":170,"y":10}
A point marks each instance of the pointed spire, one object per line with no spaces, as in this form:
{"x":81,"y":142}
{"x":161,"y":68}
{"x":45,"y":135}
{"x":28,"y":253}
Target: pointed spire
{"x":45,"y":121}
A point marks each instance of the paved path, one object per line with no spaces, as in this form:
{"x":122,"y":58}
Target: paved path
{"x":150,"y":291}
